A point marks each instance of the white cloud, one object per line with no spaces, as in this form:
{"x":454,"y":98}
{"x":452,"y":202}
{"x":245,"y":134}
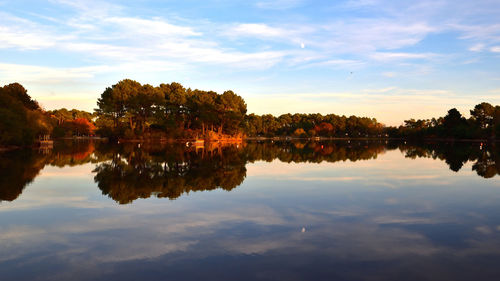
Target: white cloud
{"x":120,"y":42}
{"x":477,"y":48}
{"x":361,"y":3}
{"x":390,"y":56}
{"x":337,"y":63}
{"x":30,"y":73}
{"x":483,"y":32}
{"x":278,"y":4}
{"x":362,"y":35}
{"x":151,"y":27}
{"x":389,"y":74}
{"x":25,"y":35}
{"x":10,"y":37}
{"x":258,"y":30}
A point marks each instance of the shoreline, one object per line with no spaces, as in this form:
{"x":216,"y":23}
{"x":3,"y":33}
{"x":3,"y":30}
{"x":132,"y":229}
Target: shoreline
{"x":239,"y":140}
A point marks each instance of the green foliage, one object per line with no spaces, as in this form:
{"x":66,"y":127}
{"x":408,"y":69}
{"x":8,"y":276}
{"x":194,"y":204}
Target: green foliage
{"x":21,"y":119}
{"x":141,"y":109}
{"x":131,"y":110}
{"x":330,"y":125}
{"x":68,"y":123}
{"x":19,"y":93}
{"x":484,"y":122}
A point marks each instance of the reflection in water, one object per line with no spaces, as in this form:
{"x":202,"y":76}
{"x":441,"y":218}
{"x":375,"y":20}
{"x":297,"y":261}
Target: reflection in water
{"x":373,"y":215}
{"x":485,"y":156}
{"x":168,"y":172}
{"x":127,"y":172}
{"x":18,"y":168}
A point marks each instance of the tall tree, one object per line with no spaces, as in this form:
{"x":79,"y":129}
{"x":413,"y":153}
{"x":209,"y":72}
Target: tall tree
{"x":231,"y":109}
{"x":483,"y":115}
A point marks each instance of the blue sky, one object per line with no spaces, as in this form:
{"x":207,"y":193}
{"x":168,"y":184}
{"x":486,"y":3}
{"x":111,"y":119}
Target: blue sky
{"x":392,"y":60}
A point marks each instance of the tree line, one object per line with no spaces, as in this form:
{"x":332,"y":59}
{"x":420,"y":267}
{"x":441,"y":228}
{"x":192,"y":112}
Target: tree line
{"x":483,"y":123}
{"x":131,"y":110}
{"x":311,"y":125}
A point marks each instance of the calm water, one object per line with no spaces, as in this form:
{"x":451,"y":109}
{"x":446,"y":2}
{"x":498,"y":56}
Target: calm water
{"x":259,"y":211}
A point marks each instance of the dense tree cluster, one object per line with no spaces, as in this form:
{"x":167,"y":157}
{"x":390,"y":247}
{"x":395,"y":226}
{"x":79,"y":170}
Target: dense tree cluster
{"x":21,"y":118}
{"x":129,"y":109}
{"x":23,"y":121}
{"x":68,"y":123}
{"x":484,"y":122}
{"x":310,"y":125}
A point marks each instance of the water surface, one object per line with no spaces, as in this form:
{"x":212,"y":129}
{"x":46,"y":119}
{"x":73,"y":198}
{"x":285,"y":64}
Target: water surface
{"x":353,"y":210}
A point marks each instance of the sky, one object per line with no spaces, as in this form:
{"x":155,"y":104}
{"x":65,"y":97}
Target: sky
{"x":391,"y":60}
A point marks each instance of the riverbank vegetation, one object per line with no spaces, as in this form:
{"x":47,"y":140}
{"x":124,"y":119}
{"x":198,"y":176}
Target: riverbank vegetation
{"x":21,"y":118}
{"x":129,"y":110}
{"x":483,"y":123}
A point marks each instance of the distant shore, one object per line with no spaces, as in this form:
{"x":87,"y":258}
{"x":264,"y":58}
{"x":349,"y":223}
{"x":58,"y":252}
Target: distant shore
{"x":239,"y":140}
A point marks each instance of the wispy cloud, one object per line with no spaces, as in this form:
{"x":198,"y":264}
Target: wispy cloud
{"x":273,"y":41}
{"x":391,"y":56}
{"x":30,"y":73}
{"x":278,"y":4}
{"x":257,"y":30}
{"x":477,"y":48}
{"x":155,"y":27}
{"x":24,"y":34}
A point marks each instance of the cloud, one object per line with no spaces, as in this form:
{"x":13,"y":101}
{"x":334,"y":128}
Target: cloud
{"x":53,"y":75}
{"x":117,"y":42}
{"x":391,"y":56}
{"x":257,"y":30}
{"x":155,"y":27}
{"x":483,"y":32}
{"x":344,"y":63}
{"x":278,"y":4}
{"x":25,"y":35}
{"x":12,"y":37}
{"x":115,"y":39}
{"x":362,"y":35}
{"x":361,"y":3}
{"x":477,"y":48}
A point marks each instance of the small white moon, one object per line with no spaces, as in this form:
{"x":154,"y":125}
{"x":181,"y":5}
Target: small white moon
{"x":302,"y":45}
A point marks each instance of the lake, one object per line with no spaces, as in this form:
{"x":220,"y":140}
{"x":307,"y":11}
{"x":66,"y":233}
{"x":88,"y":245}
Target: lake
{"x":343,"y":210}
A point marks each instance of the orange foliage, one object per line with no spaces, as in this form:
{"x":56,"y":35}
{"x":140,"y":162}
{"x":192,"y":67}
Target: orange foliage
{"x":324,"y":127}
{"x":84,"y":126}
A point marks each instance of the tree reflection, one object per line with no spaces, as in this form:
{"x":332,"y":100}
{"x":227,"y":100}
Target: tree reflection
{"x":168,"y":172}
{"x":130,"y":171}
{"x":19,"y":168}
{"x":484,"y":156}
